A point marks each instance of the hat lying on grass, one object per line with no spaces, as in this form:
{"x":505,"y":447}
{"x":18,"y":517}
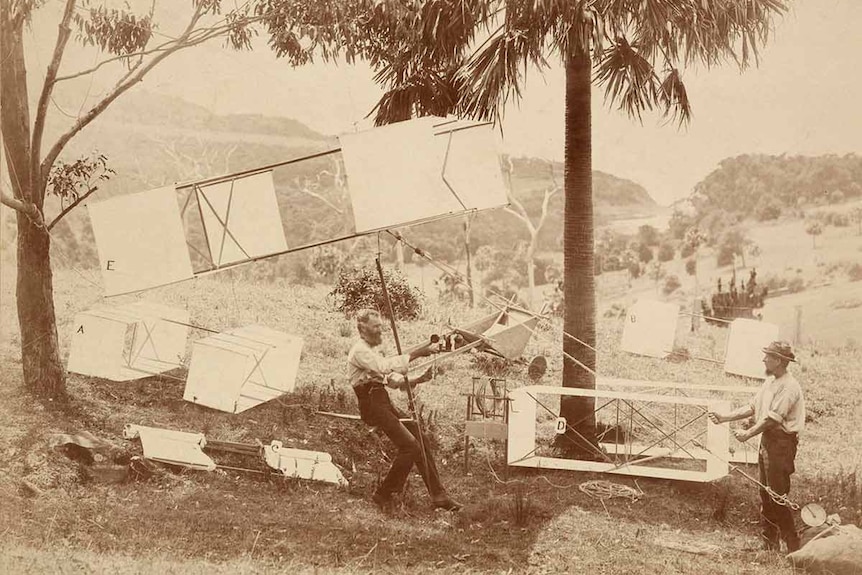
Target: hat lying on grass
{"x":780,"y":349}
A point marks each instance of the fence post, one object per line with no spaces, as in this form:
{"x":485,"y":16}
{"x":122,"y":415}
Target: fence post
{"x":797,"y":338}
{"x":696,"y":311}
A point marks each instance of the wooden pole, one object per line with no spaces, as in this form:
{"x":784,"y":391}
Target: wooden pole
{"x":411,"y":404}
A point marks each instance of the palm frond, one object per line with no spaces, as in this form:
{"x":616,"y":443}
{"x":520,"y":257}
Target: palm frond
{"x":629,"y":79}
{"x":493,"y":75}
{"x":674,"y":98}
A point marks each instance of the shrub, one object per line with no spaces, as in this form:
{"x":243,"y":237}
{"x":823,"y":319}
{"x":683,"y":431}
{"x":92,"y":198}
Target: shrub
{"x":358,"y":289}
{"x":645,"y":253}
{"x":691,"y":266}
{"x":665,"y":252}
{"x":767,"y":209}
{"x":327,"y":260}
{"x":648,"y":235}
{"x":837,"y":219}
{"x":796,"y":284}
{"x":725,"y":255}
{"x":546,"y":271}
{"x":671,"y":284}
{"x":854,"y":272}
{"x":686,"y":250}
{"x":678,"y":224}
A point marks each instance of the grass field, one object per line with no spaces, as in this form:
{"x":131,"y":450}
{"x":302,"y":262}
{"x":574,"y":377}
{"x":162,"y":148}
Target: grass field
{"x":59,"y":518}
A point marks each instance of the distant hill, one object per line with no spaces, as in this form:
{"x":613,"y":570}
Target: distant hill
{"x":158,"y":110}
{"x":613,"y":196}
{"x":764,"y":186}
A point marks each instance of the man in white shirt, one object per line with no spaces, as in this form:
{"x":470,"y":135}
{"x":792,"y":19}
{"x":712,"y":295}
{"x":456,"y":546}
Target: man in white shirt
{"x":370,"y":373}
{"x":778,"y":411}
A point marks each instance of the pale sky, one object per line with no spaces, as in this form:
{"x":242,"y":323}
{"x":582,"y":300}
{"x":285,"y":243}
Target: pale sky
{"x":803,"y":99}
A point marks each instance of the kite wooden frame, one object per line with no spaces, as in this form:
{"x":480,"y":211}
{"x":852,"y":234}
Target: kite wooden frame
{"x":740,"y":452}
{"x":522,"y":437}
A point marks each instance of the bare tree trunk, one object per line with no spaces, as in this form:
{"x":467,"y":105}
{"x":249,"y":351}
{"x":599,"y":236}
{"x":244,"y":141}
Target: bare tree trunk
{"x":40,"y":354}
{"x":467,"y":228}
{"x":531,"y":270}
{"x":579,"y":267}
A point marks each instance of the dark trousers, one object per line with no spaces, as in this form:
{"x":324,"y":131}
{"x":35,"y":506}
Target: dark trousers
{"x":777,"y":454}
{"x":377,"y":410}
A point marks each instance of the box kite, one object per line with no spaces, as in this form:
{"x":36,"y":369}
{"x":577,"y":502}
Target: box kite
{"x":241,"y":368}
{"x":132,"y":341}
{"x":397,"y":175}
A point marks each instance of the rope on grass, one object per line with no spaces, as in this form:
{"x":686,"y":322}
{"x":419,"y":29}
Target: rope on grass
{"x":602,"y":489}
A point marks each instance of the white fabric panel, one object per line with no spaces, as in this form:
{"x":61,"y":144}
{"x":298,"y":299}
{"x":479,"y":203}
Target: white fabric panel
{"x":141,"y":241}
{"x":239,"y":369}
{"x":159,"y":345}
{"x":395,"y":173}
{"x":248,"y":208}
{"x":279,"y":364}
{"x":97,"y":346}
{"x":473,"y":166}
{"x":650,"y":328}
{"x":745,"y":345}
{"x":175,"y":447}
{"x":215,"y":376}
{"x":304,"y":464}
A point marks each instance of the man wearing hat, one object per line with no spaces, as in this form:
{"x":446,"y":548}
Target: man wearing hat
{"x":370,"y":374}
{"x":778,"y":412}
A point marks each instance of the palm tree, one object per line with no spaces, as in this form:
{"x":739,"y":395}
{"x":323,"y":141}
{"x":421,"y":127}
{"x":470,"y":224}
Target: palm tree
{"x":425,"y":54}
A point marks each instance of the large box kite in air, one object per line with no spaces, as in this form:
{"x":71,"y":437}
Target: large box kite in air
{"x":133,"y":341}
{"x":141,"y":241}
{"x":420,"y":170}
{"x":241,"y":368}
{"x":397,"y":175}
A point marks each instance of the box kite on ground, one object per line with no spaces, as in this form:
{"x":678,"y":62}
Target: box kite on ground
{"x":173,"y":447}
{"x":241,"y":368}
{"x":302,"y":463}
{"x":745,"y":342}
{"x":649,"y":435}
{"x":127,"y":342}
{"x":650,"y":328}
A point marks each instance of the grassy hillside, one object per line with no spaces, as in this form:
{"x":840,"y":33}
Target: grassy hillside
{"x":56,"y":514}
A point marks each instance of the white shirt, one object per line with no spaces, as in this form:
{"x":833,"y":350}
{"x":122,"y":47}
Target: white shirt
{"x":366,"y":363}
{"x":781,"y":400}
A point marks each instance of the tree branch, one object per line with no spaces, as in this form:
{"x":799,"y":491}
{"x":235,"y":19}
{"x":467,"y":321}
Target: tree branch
{"x":519,"y":212}
{"x":159,"y":48}
{"x":550,"y":193}
{"x":119,"y":88}
{"x":303,"y":187}
{"x":14,"y":203}
{"x":27,"y":208}
{"x":71,"y":207}
{"x":42,"y":108}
